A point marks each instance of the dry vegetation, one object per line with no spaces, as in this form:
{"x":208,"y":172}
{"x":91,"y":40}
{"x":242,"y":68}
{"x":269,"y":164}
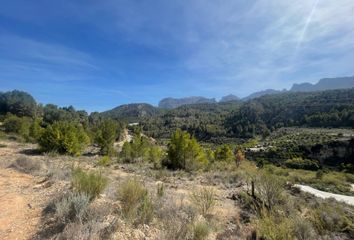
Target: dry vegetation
{"x":90,"y":197}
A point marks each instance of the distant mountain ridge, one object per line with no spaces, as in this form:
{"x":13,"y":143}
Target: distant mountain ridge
{"x":325,"y":84}
{"x":132,"y":112}
{"x":322,"y":85}
{"x":229,"y":98}
{"x":262,"y":93}
{"x":170,"y":103}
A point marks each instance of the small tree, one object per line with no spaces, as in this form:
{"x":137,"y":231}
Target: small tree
{"x":223,"y":153}
{"x":184,"y":152}
{"x":239,"y":157}
{"x":18,"y":125}
{"x":64,"y":137}
{"x":106,"y":135}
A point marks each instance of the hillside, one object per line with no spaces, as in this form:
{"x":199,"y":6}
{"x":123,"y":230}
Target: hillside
{"x":262,"y":93}
{"x":170,"y":103}
{"x":325,"y":84}
{"x":229,"y":98}
{"x":132,"y":112}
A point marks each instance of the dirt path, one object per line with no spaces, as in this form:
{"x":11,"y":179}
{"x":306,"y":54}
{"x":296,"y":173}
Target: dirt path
{"x":19,"y":206}
{"x":322,"y":194}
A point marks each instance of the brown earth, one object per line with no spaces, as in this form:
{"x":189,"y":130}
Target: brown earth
{"x":24,"y":196}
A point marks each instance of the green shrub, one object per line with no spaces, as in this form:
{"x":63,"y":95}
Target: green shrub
{"x":105,"y":136}
{"x":273,"y":227}
{"x":135,"y":201}
{"x":201,"y":230}
{"x":17,"y":125}
{"x":184,"y":152}
{"x":204,"y":200}
{"x":331,"y":216}
{"x":155,"y":155}
{"x":146,"y":210}
{"x":160,"y":190}
{"x":90,"y":183}
{"x":63,"y":137}
{"x":71,"y":207}
{"x":223,"y":153}
{"x":269,"y":189}
{"x":137,"y":150}
{"x":299,"y":163}
{"x":104,"y":161}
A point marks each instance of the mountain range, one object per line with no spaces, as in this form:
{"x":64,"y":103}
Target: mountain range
{"x":132,"y":112}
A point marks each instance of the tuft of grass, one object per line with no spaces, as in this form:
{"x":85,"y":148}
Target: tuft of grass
{"x":201,"y":230}
{"x":104,"y":161}
{"x":160,"y":192}
{"x":90,"y":183}
{"x":204,"y":200}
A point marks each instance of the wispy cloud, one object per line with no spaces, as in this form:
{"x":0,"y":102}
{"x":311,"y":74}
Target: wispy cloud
{"x":143,"y":49}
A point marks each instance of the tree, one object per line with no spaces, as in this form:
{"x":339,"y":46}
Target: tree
{"x":223,"y":153}
{"x":35,"y":130}
{"x":239,"y":157}
{"x":155,"y":155}
{"x":18,"y":125}
{"x":106,"y":135}
{"x":18,"y":103}
{"x":184,"y":152}
{"x":64,"y":137}
{"x":136,"y":150}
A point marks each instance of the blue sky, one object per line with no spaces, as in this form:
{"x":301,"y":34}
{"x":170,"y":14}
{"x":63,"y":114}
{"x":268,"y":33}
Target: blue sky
{"x":96,"y":55}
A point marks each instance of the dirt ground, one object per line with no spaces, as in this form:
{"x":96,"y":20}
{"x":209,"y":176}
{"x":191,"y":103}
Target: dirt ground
{"x":20,"y":205}
{"x":23,"y":196}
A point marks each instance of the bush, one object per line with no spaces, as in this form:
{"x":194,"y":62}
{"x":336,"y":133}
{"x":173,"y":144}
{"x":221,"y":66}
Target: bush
{"x":64,"y":137}
{"x":299,"y":163}
{"x":155,"y":155}
{"x":72,"y":207}
{"x":104,"y":161}
{"x":146,"y":210}
{"x":223,"y":153}
{"x":201,"y":230}
{"x":204,"y":200}
{"x":137,"y":150}
{"x":17,"y":125}
{"x":105,"y":136}
{"x":332,"y":217}
{"x":91,"y":183}
{"x":269,"y":189}
{"x":185,"y":153}
{"x":272,"y":227}
{"x":135,"y":201}
{"x":27,"y":165}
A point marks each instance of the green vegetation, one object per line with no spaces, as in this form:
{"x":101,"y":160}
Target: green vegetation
{"x":90,"y":183}
{"x":104,"y":161}
{"x":185,"y":153}
{"x":18,"y":103}
{"x":64,"y":137}
{"x":204,"y":200}
{"x":138,"y":150}
{"x":105,"y":135}
{"x":201,"y":230}
{"x":223,"y":153}
{"x":136,"y":203}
